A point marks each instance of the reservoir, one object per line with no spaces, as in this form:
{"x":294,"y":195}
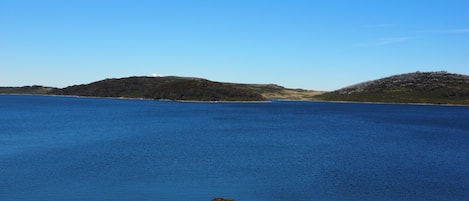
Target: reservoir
{"x":69,"y":148}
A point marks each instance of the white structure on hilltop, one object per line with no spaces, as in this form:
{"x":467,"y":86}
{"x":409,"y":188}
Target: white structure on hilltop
{"x":156,"y":75}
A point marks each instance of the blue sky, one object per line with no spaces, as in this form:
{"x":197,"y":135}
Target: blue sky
{"x":320,"y":45}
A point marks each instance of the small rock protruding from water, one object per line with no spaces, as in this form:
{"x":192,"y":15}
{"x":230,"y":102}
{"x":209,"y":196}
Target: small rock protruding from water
{"x":222,"y":199}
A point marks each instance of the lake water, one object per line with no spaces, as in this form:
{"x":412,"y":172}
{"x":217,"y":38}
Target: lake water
{"x":66,"y":148}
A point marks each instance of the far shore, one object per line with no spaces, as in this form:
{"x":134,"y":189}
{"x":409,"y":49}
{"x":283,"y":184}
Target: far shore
{"x":389,"y":103}
{"x":224,"y":101}
{"x":141,"y":99}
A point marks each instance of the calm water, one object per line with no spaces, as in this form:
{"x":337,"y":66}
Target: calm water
{"x":64,"y":148}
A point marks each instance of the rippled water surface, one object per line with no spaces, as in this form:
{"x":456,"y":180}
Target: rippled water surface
{"x":65,"y":148}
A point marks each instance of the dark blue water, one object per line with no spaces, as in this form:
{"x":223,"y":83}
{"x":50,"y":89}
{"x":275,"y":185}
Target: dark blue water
{"x":65,"y":148}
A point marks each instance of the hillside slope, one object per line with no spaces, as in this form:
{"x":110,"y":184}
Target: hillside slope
{"x":272,"y":91}
{"x":35,"y":89}
{"x":419,"y":87}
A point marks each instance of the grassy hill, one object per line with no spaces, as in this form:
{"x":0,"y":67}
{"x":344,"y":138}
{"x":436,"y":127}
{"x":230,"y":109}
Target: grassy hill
{"x":419,"y":87}
{"x":169,"y":88}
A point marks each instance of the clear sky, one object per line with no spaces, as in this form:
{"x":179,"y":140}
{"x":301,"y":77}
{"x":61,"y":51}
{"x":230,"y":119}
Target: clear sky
{"x":312,"y":44}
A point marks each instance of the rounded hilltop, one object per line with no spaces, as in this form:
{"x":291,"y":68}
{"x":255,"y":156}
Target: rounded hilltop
{"x":438,"y":87}
{"x":163,"y":88}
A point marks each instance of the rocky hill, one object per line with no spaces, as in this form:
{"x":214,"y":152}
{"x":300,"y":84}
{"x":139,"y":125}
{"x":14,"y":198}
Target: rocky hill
{"x":419,"y":87}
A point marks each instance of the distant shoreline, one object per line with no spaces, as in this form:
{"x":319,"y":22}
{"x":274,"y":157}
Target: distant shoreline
{"x":390,"y":103}
{"x":268,"y":101}
{"x":140,"y":99}
{"x":418,"y":88}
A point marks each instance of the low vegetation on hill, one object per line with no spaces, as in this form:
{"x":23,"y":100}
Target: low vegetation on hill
{"x":419,"y":87}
